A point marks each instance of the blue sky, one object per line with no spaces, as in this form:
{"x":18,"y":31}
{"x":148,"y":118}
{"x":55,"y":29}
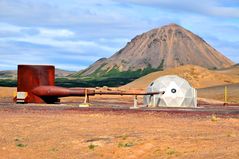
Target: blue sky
{"x":72,"y":34}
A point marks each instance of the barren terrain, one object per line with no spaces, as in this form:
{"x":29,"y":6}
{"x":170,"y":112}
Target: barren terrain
{"x":217,"y":93}
{"x":197,"y":76}
{"x":59,"y":133}
{"x":47,"y":134}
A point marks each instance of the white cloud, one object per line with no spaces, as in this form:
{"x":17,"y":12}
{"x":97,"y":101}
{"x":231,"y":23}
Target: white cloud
{"x":10,"y":28}
{"x":52,"y":33}
{"x":114,"y":40}
{"x":71,"y":67}
{"x":224,"y":11}
{"x":205,"y":7}
{"x":42,"y":32}
{"x":50,"y":37}
{"x":79,"y":46}
{"x":68,"y":31}
{"x":37,"y":45}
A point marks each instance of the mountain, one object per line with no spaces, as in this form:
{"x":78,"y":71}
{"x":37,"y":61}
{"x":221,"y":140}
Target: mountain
{"x":161,"y":48}
{"x":8,"y":74}
{"x":62,"y":73}
{"x":13,"y":73}
{"x":197,"y":76}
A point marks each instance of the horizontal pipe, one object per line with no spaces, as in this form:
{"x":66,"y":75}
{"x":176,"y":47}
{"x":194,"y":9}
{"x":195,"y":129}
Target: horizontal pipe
{"x":126,"y":93}
{"x":54,"y":91}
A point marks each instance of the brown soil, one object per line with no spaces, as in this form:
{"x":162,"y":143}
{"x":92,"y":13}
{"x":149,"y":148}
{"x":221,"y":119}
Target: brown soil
{"x":233,"y":70}
{"x":110,"y":135}
{"x":217,"y":93}
{"x":7,"y":91}
{"x":197,"y":76}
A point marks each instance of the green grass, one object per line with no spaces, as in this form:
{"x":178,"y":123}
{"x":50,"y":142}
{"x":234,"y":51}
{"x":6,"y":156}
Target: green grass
{"x":78,"y":82}
{"x":214,"y":118}
{"x":8,"y":82}
{"x":112,"y":78}
{"x":127,"y":144}
{"x":116,"y":73}
{"x":88,"y":82}
{"x":19,"y":142}
{"x":100,"y":78}
{"x":53,"y":149}
{"x":171,"y":151}
{"x":21,"y":145}
{"x":92,"y":146}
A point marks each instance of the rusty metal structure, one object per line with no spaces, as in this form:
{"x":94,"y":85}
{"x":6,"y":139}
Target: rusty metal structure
{"x":36,"y":84}
{"x":32,"y":76}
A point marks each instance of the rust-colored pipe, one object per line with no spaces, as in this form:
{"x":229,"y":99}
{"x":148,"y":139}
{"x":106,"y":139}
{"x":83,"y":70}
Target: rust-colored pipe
{"x":54,"y":91}
{"x":126,"y":93}
{"x":38,"y":81}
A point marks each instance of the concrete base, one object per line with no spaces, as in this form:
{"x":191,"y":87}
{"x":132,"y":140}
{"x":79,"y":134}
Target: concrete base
{"x":133,"y":107}
{"x":84,"y":105}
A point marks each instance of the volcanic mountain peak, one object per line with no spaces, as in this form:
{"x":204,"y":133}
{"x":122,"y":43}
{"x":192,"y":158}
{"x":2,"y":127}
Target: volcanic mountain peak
{"x":160,"y":48}
{"x":169,"y":26}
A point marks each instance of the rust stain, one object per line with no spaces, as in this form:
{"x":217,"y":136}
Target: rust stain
{"x":32,"y":76}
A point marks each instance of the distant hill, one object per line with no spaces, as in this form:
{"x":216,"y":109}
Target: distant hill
{"x":8,"y":74}
{"x":13,"y":73}
{"x":63,"y":73}
{"x":158,"y":49}
{"x":197,"y":76}
{"x":233,"y":70}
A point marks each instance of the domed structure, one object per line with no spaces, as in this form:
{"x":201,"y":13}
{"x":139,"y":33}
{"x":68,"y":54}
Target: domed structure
{"x":177,"y":93}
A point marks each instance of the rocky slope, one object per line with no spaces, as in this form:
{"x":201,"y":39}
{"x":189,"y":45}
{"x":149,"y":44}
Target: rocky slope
{"x":160,"y":48}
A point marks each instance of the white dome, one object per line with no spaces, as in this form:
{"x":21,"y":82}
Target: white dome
{"x":178,"y":93}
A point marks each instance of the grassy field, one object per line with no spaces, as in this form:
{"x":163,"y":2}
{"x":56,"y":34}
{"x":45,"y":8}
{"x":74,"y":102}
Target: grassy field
{"x":78,"y":82}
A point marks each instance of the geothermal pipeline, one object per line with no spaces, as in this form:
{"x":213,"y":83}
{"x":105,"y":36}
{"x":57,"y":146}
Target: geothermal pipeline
{"x":36,"y":84}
